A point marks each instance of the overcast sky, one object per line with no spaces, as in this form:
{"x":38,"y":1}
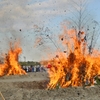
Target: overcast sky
{"x":18,"y":18}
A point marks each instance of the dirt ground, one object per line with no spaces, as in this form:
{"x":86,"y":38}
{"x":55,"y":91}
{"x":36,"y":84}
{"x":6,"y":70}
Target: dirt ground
{"x":33,"y":87}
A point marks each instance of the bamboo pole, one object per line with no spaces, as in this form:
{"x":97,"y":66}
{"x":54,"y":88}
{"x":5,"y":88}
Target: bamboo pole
{"x":2,"y":96}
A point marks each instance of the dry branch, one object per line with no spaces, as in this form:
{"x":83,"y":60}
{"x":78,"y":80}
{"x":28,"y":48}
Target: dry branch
{"x":2,"y":96}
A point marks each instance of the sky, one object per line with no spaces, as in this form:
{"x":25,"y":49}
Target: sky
{"x":19,"y":18}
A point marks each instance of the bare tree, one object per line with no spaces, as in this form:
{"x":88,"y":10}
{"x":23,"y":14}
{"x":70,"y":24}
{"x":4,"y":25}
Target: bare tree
{"x":82,"y":20}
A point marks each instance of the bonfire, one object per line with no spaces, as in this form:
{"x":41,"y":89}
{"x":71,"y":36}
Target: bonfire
{"x":76,"y":66}
{"x":11,"y":65}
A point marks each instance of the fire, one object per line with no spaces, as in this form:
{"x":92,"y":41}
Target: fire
{"x":11,"y":65}
{"x":76,"y":66}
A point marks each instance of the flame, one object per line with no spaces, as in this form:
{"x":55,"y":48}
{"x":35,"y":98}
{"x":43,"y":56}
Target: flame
{"x":11,"y":65}
{"x":76,"y":66}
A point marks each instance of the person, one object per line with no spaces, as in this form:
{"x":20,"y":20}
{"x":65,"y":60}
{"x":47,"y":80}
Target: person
{"x":49,"y":66}
{"x":32,"y":68}
{"x":27,"y":69}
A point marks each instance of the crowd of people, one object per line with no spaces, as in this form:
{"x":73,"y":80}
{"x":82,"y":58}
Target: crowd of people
{"x":31,"y":68}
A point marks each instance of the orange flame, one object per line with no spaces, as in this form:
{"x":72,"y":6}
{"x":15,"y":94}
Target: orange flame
{"x":11,"y":65}
{"x":77,"y":66}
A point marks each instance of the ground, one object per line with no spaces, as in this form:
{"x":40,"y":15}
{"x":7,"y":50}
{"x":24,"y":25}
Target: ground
{"x":33,"y":87}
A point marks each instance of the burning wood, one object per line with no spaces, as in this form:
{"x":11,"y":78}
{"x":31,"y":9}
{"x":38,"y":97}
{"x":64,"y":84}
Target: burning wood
{"x":76,"y":66}
{"x":11,"y":65}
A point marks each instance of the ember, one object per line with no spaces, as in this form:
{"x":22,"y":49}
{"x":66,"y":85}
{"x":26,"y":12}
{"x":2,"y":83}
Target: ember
{"x":77,"y":66}
{"x":11,"y":65}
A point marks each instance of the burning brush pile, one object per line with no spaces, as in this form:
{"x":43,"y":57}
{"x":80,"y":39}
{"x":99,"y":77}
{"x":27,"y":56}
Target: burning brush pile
{"x":77,"y":65}
{"x":11,"y":65}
